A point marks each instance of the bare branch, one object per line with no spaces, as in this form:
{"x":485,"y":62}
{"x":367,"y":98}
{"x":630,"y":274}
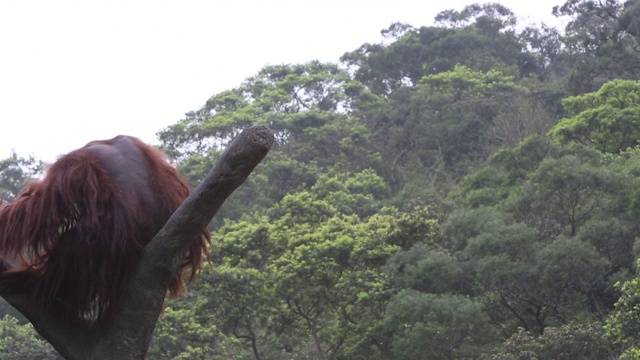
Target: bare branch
{"x":127,"y":334}
{"x":143,"y":303}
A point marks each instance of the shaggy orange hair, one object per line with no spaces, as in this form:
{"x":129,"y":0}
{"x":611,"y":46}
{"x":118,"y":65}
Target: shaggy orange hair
{"x":76,"y":236}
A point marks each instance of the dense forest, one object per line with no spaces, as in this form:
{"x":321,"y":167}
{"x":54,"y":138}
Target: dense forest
{"x":467,"y":190}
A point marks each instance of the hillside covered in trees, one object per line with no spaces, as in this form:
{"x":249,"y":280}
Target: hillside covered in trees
{"x":468,"y":190}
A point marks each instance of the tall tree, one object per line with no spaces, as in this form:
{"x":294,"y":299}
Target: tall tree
{"x":481,"y":37}
{"x":608,"y":119}
{"x":603,"y":36}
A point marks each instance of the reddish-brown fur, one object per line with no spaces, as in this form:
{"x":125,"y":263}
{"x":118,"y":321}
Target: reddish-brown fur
{"x":75,"y":237}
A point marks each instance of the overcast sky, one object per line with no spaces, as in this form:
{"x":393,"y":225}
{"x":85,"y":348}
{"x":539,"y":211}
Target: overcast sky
{"x":76,"y":71}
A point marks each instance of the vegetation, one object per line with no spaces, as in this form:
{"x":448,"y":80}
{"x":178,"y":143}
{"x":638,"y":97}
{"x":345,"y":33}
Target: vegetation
{"x":464,"y":190}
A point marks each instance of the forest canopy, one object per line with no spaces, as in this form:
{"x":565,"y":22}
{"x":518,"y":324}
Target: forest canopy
{"x":468,"y":189}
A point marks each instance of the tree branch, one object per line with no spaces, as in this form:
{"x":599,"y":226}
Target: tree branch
{"x":161,"y":258}
{"x":127,"y":334}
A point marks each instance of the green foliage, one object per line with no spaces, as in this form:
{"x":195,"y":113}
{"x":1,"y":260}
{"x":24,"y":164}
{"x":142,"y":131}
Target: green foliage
{"x":567,"y":342}
{"x":436,"y":326}
{"x":15,"y":172}
{"x":604,"y":41}
{"x":306,"y":105}
{"x":432,"y":133}
{"x":429,"y":196}
{"x":622,"y":326}
{"x":480,"y":37}
{"x":20,"y":341}
{"x":181,"y":334}
{"x":572,"y":189}
{"x":516,"y":162}
{"x":549,"y":248}
{"x":423,"y":199}
{"x":608,"y":120}
{"x":352,"y":194}
{"x":308,"y":275}
{"x":426,"y":270}
{"x":290,"y":99}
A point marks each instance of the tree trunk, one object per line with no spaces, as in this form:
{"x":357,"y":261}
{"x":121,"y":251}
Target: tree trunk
{"x":127,"y":333}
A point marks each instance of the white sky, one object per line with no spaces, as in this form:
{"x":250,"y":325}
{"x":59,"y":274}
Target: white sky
{"x":76,"y":71}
